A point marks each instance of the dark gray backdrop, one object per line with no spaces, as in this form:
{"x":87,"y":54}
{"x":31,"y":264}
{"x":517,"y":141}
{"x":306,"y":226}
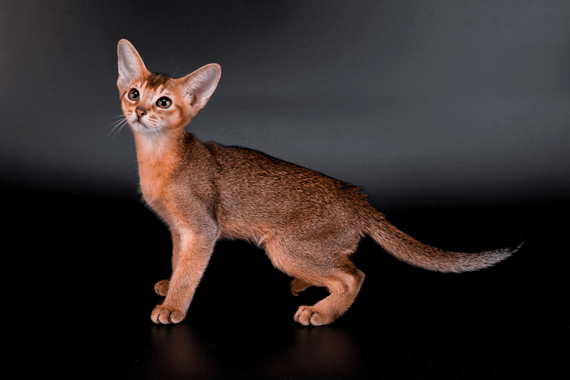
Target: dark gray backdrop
{"x":422,"y":103}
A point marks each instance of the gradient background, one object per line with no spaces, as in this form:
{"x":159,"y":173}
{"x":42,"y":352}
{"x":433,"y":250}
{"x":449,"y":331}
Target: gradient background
{"x":453,"y":116}
{"x":423,"y":104}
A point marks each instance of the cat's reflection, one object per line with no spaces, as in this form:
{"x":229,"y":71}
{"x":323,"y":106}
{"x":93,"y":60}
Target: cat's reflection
{"x":179,"y":351}
{"x":326,"y":352}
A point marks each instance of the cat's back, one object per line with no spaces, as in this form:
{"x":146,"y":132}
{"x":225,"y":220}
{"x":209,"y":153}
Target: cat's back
{"x":248,"y":174}
{"x":241,"y":165}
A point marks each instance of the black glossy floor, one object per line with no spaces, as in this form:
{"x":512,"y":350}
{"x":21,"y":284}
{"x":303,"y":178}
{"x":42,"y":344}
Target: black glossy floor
{"x":80,"y":292}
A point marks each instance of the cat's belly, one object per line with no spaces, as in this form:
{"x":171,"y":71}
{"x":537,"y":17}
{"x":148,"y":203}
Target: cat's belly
{"x":244,"y":230}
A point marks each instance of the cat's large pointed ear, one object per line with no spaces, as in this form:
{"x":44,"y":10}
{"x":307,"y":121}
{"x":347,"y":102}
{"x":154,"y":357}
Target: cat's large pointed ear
{"x":131,"y":65}
{"x":200,"y":85}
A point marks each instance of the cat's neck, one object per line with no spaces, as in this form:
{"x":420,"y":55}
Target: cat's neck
{"x":158,"y":156}
{"x":154,"y":146}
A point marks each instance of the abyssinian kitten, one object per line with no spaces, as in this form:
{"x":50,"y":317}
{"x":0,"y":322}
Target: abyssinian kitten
{"x":309,"y":224}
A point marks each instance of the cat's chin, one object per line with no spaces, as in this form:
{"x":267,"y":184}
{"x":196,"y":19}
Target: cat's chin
{"x":142,"y":128}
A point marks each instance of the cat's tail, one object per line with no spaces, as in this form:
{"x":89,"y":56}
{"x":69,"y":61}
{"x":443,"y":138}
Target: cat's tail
{"x":411,"y":251}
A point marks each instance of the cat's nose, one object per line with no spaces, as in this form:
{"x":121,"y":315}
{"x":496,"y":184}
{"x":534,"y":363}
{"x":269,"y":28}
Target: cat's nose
{"x":141,"y":112}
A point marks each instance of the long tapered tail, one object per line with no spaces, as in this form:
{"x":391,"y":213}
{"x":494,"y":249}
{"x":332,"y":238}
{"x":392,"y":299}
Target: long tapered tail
{"x":411,"y":251}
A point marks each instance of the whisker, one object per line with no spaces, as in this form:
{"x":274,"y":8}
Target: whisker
{"x":113,"y":117}
{"x":117,"y":122}
{"x":117,"y":126}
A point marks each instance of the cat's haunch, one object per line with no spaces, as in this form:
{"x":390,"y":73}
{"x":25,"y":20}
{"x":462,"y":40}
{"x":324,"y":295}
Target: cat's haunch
{"x":309,"y":224}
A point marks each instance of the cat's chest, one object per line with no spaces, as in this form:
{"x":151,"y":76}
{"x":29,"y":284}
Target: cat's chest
{"x":152,"y":184}
{"x":155,"y":183}
{"x":155,"y":173}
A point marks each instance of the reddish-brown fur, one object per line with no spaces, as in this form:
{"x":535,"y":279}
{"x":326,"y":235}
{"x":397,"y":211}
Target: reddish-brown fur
{"x":309,"y":224}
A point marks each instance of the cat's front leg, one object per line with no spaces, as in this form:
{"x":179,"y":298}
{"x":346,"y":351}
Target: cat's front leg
{"x":195,"y":252}
{"x":161,"y":287}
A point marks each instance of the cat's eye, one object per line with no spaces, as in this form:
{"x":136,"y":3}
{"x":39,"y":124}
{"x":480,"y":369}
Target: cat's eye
{"x":164,"y":102}
{"x":134,"y":94}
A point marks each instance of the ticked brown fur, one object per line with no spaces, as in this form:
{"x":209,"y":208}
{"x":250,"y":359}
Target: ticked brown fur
{"x":309,"y":224}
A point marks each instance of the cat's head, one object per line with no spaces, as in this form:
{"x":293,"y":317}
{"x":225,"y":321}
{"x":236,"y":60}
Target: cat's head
{"x":155,"y":102}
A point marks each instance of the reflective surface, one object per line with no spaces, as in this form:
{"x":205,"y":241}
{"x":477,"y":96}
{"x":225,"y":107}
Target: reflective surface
{"x":80,"y":292}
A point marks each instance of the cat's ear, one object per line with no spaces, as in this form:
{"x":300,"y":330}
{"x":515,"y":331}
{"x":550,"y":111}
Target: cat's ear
{"x":200,"y":85}
{"x":131,"y":65}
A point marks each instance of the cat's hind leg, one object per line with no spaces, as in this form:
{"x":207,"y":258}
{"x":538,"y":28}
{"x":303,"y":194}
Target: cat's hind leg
{"x":343,"y":287}
{"x":334,"y":270}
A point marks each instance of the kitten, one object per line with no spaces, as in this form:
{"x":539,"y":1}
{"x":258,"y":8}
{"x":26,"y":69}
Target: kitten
{"x":309,"y":224}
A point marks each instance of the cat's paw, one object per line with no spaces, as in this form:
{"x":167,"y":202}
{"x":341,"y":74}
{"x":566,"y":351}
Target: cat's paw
{"x":165,"y":315}
{"x":161,"y":287}
{"x":298,"y":285}
{"x":309,"y":316}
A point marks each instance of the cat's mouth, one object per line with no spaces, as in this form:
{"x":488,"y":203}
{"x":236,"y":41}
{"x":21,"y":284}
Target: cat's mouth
{"x":139,"y":123}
